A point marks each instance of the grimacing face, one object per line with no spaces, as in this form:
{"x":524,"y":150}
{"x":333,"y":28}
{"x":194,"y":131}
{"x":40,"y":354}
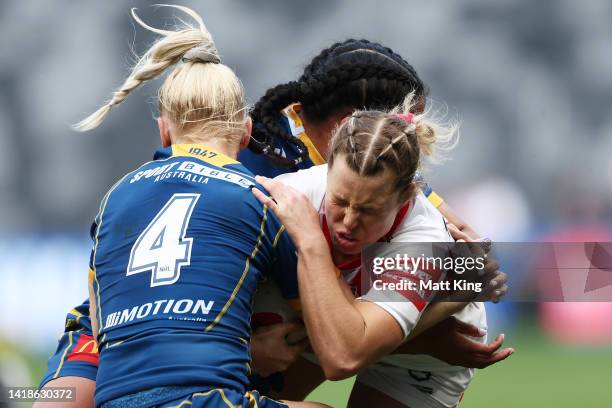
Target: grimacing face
{"x":359,"y":210}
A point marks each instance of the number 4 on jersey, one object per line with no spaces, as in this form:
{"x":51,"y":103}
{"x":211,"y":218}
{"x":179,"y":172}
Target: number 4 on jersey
{"x":162,"y":247}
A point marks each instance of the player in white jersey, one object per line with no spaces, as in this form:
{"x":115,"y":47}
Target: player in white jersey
{"x":367,"y":195}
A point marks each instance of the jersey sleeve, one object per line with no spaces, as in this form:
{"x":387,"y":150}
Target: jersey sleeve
{"x":312,"y":182}
{"x":425,"y":235}
{"x":77,"y":352}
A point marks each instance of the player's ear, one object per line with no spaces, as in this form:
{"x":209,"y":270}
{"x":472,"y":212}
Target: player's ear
{"x":164,"y":131}
{"x":408,"y":194}
{"x":246,"y":137}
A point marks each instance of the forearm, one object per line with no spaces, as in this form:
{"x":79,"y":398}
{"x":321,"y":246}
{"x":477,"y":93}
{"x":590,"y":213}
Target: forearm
{"x":454,"y":219}
{"x":336,"y":327}
{"x":434,"y":314}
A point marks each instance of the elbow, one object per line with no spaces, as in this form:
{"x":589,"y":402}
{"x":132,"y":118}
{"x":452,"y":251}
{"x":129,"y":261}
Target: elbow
{"x":341,"y":367}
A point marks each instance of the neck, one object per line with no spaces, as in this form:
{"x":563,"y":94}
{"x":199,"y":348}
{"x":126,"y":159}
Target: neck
{"x":319,"y":134}
{"x":218,"y":144}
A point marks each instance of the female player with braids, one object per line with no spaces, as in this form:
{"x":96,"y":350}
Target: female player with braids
{"x":172,"y":275}
{"x":366,"y":194}
{"x":294,"y":121}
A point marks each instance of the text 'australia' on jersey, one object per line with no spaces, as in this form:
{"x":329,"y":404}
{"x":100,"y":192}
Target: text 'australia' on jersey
{"x":179,"y":246}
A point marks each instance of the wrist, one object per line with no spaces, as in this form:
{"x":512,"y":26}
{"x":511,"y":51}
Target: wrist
{"x":311,"y":243}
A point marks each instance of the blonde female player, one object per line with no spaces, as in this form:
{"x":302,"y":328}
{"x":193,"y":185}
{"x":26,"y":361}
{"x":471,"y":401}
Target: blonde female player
{"x":180,"y":243}
{"x":367,"y":194}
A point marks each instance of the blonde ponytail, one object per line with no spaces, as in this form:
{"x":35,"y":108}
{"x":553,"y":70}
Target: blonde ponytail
{"x":201,"y":89}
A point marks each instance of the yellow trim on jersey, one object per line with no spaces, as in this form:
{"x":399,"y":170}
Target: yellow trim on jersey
{"x":204,"y":394}
{"x":313,"y":153}
{"x":77,"y":314}
{"x":247,"y":265}
{"x":435,"y":199}
{"x":248,"y":394}
{"x":203,"y":153}
{"x":109,"y":345}
{"x":94,"y":348}
{"x":181,"y":404}
{"x":297,"y":128}
{"x":187,"y":402}
{"x":278,"y":235}
{"x":61,"y":364}
{"x":95,"y":249}
{"x":292,"y":114}
{"x":252,"y":399}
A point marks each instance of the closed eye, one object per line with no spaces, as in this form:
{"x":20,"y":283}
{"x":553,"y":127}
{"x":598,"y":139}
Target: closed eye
{"x":339,"y":202}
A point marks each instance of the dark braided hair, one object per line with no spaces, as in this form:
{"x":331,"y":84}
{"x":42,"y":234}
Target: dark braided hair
{"x":355,"y":74}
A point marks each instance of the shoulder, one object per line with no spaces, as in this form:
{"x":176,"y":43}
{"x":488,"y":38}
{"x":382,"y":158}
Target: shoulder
{"x":311,"y":181}
{"x":424,"y":223}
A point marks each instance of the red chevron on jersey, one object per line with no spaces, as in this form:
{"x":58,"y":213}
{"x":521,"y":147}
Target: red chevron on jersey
{"x":419,"y":297}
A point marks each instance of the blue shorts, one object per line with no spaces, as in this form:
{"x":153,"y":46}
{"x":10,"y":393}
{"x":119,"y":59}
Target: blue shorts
{"x":202,"y":398}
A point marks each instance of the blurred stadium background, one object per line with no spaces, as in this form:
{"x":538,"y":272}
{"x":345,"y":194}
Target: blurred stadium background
{"x":531,"y":82}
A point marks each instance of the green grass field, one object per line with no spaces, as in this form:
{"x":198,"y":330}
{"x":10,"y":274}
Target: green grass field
{"x":539,"y":374}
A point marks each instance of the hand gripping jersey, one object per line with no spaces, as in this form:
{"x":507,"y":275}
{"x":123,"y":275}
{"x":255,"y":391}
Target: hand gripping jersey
{"x":67,"y":359}
{"x":415,"y":380}
{"x":179,"y":245}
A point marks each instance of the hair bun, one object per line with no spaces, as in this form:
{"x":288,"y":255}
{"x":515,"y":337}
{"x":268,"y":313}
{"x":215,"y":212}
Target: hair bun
{"x":203,"y":53}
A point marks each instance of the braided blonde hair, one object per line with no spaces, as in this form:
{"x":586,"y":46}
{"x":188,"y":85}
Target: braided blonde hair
{"x":199,"y":95}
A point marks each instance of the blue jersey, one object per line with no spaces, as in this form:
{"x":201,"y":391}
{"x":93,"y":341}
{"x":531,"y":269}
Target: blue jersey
{"x":179,"y":246}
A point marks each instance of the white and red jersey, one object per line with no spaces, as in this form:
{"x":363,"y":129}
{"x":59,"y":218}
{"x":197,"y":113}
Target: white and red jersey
{"x":417,"y":222}
{"x":413,"y":379}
